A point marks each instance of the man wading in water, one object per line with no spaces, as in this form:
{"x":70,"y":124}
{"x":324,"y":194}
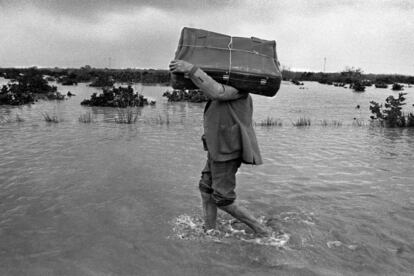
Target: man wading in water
{"x":230,"y":140}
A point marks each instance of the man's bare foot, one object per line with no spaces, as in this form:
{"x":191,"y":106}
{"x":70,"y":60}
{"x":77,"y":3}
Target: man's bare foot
{"x":207,"y":229}
{"x":258,"y":229}
{"x":263,"y":232}
{"x":242,"y":214}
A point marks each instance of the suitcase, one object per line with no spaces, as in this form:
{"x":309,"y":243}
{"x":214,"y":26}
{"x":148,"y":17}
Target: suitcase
{"x":248,"y":64}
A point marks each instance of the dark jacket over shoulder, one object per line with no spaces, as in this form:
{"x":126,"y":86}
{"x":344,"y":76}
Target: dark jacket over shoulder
{"x":229,"y":132}
{"x":228,"y":127}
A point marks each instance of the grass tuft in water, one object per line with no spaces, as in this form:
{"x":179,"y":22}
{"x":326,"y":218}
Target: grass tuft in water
{"x":163,"y":121}
{"x":127,"y":115}
{"x":358,"y":123}
{"x":86,"y":118}
{"x":333,"y":123}
{"x":269,"y":121}
{"x":5,"y":119}
{"x":8,"y":119}
{"x":50,"y":118}
{"x":302,"y":122}
{"x":19,"y":119}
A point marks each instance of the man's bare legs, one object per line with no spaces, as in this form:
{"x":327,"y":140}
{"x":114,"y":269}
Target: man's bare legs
{"x":236,"y":211}
{"x":209,"y":211}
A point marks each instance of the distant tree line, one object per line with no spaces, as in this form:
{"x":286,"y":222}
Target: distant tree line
{"x":349,"y":75}
{"x":71,"y":76}
{"x":105,"y":77}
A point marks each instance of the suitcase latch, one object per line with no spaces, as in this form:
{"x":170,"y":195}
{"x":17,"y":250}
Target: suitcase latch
{"x":263,"y":81}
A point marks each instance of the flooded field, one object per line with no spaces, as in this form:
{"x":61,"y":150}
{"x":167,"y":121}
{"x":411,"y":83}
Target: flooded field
{"x":116,"y":199}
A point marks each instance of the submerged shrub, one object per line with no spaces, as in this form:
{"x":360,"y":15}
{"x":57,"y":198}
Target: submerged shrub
{"x":56,"y":95}
{"x":381,"y":85}
{"x":103,"y":81}
{"x":391,"y":115}
{"x":358,"y":86}
{"x":117,"y":97}
{"x":195,"y":96}
{"x":26,"y":88}
{"x":397,"y":87}
{"x":410,"y":120}
{"x":296,"y":82}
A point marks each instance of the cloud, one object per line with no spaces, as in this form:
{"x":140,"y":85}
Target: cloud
{"x":95,"y":10}
{"x":374,"y":35}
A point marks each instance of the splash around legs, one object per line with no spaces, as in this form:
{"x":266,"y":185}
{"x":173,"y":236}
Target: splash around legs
{"x":243,"y":215}
{"x":236,"y":211}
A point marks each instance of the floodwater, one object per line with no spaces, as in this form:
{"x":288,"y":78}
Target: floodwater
{"x":116,"y":199}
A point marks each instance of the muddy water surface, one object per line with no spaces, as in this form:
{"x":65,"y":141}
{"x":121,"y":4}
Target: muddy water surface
{"x":111,"y":199}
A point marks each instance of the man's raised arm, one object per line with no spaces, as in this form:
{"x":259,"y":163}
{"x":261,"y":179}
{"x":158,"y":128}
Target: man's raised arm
{"x":213,"y":89}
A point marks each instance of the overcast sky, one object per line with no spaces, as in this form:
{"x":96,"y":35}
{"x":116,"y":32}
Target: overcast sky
{"x":375,"y":35}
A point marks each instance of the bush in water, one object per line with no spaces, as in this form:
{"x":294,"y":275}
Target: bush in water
{"x":195,"y":96}
{"x":26,"y":88}
{"x":397,"y":87}
{"x":391,"y":115}
{"x":103,"y":81}
{"x":117,"y":97}
{"x":358,"y":86}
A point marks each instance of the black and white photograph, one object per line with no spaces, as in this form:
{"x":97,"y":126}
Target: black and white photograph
{"x":206,"y":137}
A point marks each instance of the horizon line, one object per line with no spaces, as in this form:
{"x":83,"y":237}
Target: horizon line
{"x":160,"y":69}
